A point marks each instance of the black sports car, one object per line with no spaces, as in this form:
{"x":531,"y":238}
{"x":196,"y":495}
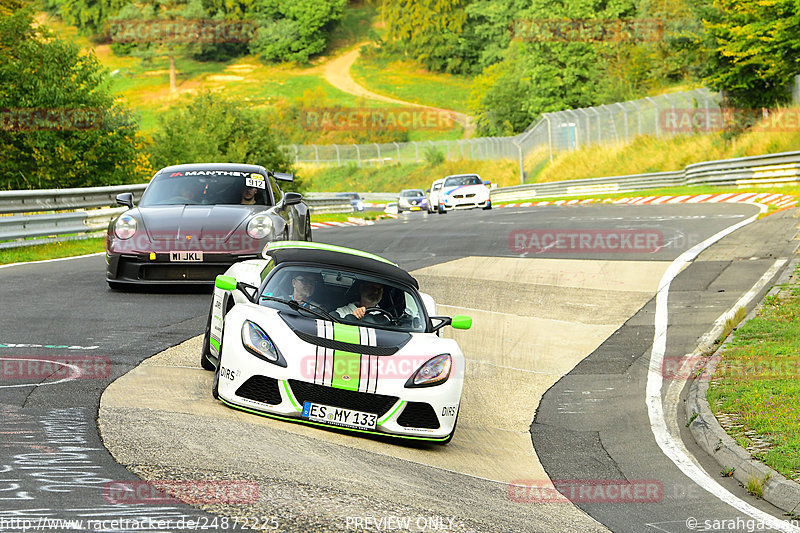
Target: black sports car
{"x":194,"y":221}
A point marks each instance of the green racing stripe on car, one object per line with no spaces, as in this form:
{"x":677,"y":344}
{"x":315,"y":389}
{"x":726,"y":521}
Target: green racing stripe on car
{"x":215,"y":343}
{"x":321,"y":246}
{"x":291,"y":396}
{"x":390,"y":415}
{"x":346,"y":365}
{"x":312,"y":423}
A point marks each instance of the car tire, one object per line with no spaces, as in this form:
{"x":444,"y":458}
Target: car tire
{"x":488,"y":206}
{"x":442,"y":210}
{"x":205,"y":352}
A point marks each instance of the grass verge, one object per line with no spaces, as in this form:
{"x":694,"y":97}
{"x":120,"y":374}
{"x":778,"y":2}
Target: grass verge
{"x":756,"y":382}
{"x":41,"y":252}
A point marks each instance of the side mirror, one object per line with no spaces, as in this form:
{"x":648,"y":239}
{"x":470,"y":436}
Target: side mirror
{"x":427,"y":190}
{"x":292,"y":198}
{"x":126,"y":199}
{"x":283,"y":176}
{"x":461,"y":322}
{"x":226,"y":283}
{"x":229,"y":283}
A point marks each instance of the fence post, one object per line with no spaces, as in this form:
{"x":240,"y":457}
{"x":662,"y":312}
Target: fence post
{"x":358,"y":155}
{"x":316,"y":152}
{"x":398,"y":151}
{"x":380,"y":162}
{"x":416,"y":151}
{"x":639,"y":114}
{"x":338,"y":159}
{"x":296,"y":154}
{"x":625,"y":117}
{"x":549,"y":137}
{"x":521,"y":163}
{"x":599,"y":127}
{"x":655,"y":114}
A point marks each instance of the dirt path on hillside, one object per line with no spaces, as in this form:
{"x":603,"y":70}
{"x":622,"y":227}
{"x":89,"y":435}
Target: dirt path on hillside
{"x":337,"y":73}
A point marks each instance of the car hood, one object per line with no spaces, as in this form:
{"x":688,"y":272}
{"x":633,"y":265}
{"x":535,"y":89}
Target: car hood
{"x":463,"y":189}
{"x":203,"y":222}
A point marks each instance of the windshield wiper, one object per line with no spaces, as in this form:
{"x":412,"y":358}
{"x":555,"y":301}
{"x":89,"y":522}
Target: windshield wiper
{"x":311,"y":308}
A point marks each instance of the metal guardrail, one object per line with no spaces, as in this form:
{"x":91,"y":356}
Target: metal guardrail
{"x":771,"y":170}
{"x":31,"y":227}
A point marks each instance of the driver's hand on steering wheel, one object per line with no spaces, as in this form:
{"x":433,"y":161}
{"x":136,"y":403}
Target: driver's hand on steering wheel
{"x":359,"y":312}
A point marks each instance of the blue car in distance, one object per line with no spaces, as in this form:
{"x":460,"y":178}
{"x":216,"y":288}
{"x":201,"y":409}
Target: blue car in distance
{"x":355,"y":200}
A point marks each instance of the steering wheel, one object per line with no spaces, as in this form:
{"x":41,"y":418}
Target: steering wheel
{"x":379,"y":311}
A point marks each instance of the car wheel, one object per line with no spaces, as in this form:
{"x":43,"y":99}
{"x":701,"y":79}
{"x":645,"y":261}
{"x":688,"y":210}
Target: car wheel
{"x":442,"y":210}
{"x":205,"y":362}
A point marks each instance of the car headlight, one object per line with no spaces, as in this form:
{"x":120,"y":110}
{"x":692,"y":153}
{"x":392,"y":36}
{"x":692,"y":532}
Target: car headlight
{"x":125,"y":227}
{"x":260,"y":226}
{"x":434,"y":372}
{"x":259,"y":344}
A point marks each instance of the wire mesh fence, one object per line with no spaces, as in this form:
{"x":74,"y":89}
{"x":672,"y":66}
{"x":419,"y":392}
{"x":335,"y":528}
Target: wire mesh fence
{"x":662,"y":116}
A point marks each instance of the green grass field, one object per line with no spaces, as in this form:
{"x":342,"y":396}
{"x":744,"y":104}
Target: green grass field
{"x":407,"y":81}
{"x":756,"y":384}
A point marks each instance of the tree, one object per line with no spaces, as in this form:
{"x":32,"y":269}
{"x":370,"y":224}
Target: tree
{"x":59,"y":126}
{"x":753,"y":49}
{"x":295,"y":30}
{"x":160,"y":28}
{"x":212,"y":129}
{"x":428,"y":30}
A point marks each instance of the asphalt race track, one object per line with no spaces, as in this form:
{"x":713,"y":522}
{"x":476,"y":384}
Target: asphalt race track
{"x":559,"y":360}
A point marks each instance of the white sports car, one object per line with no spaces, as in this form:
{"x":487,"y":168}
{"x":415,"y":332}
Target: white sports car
{"x":463,"y":191}
{"x":284,"y":340}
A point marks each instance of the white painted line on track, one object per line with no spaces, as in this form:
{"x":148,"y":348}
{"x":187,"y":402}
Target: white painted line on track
{"x":671,"y":446}
{"x":51,"y":260}
{"x":75,"y":369}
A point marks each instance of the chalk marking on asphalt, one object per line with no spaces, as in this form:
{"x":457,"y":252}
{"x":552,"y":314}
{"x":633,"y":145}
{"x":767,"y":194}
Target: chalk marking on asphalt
{"x":674,"y":451}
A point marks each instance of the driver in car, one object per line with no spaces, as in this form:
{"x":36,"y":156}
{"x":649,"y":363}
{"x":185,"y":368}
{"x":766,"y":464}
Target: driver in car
{"x":370,"y":293}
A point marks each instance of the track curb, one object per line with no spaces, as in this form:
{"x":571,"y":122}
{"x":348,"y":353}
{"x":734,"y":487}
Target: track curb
{"x":735,"y":461}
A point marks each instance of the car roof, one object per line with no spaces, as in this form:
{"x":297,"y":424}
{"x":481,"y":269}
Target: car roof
{"x":214,"y":166}
{"x":461,"y":175}
{"x":331,"y":255}
{"x":410,"y":190}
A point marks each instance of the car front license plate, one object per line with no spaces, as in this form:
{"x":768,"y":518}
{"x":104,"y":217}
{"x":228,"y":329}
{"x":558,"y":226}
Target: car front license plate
{"x":336,"y":416}
{"x":415,"y":208}
{"x":184,"y":257}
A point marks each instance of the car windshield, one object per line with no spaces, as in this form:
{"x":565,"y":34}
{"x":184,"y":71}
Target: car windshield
{"x":338,"y":293}
{"x":411,"y":193}
{"x":231,"y":188}
{"x":458,"y":181}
